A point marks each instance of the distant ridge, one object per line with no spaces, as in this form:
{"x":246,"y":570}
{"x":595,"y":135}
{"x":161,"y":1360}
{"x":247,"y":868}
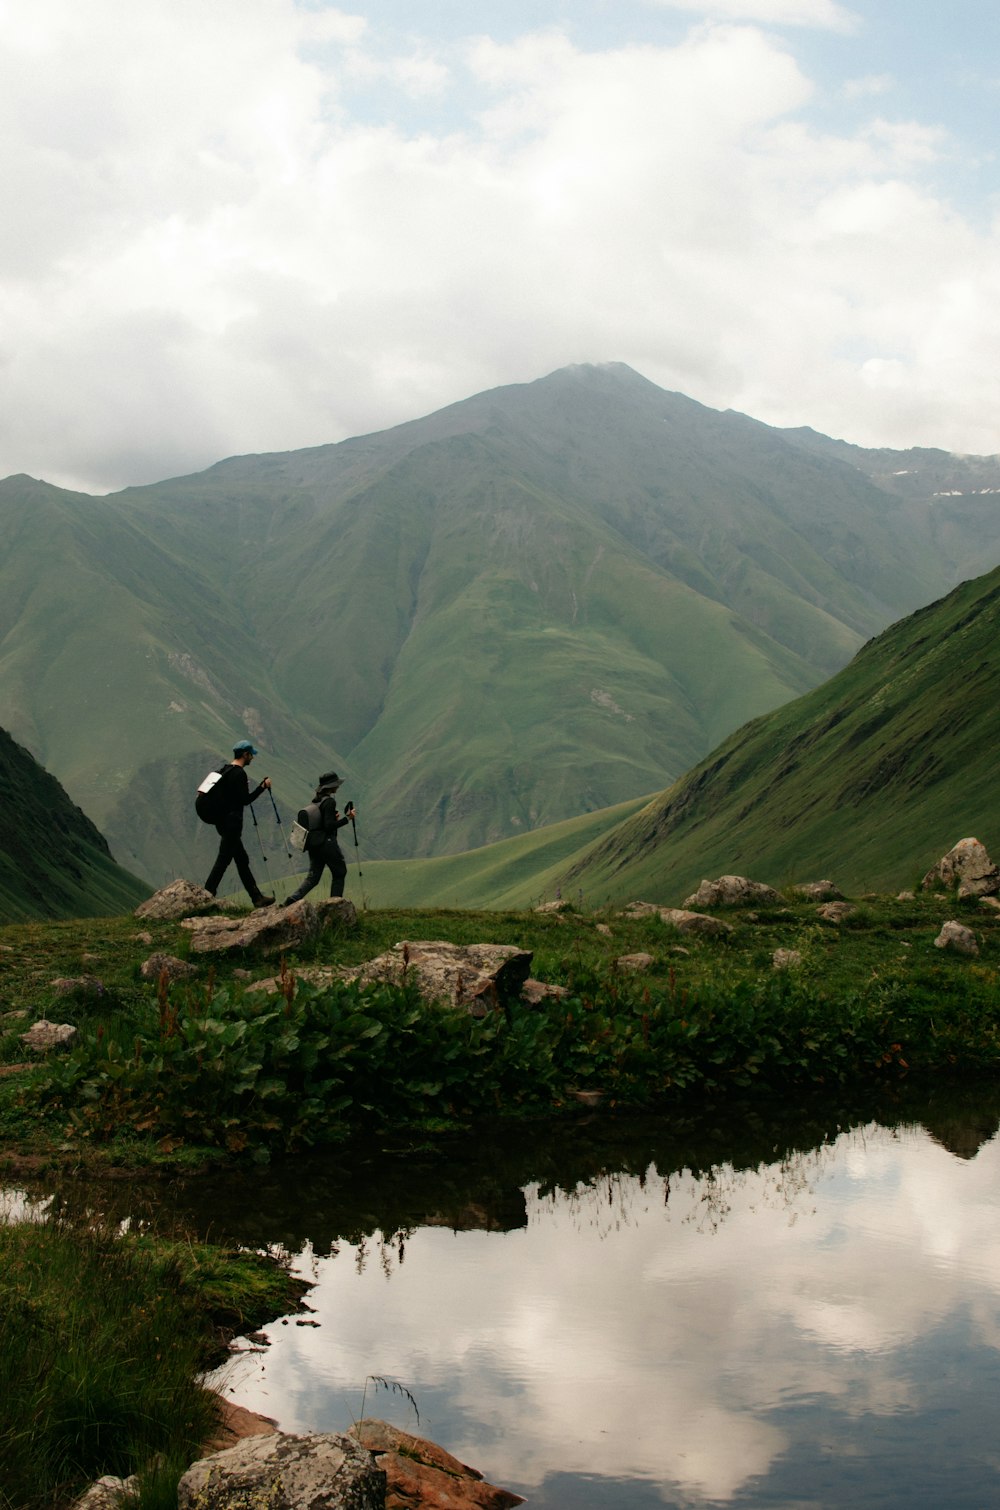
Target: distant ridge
{"x":53,"y":861}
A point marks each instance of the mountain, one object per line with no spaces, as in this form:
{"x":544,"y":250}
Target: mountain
{"x":53,"y":861}
{"x":866,"y":781}
{"x":534,"y":604}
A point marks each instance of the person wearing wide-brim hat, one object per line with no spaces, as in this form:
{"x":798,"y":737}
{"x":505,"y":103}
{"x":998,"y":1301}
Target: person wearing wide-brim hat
{"x":232,"y":794}
{"x":321,"y":845}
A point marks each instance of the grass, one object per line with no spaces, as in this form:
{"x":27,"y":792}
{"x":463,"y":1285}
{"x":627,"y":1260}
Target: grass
{"x":102,"y":1338}
{"x":208,"y":1070}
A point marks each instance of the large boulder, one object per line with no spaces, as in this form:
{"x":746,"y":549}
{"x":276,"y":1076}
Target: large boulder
{"x":327,"y":1471}
{"x":420,"y":1475}
{"x":733,"y":891}
{"x":266,"y":931}
{"x":966,"y":866}
{"x":178,"y":900}
{"x":474,"y":976}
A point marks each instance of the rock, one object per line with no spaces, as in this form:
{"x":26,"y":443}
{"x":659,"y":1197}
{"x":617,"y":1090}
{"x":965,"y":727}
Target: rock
{"x":639,"y":909}
{"x":835,"y":912}
{"x":906,"y":896}
{"x":956,"y":936}
{"x":168,"y":965}
{"x":180,"y":899}
{"x":818,"y":891}
{"x":17,"y":1014}
{"x":733,"y":891}
{"x":559,"y":905}
{"x":693,"y":922}
{"x":84,"y":985}
{"x":109,"y":1493}
{"x":43,"y":1036}
{"x":266,"y":931}
{"x":279,"y":1471}
{"x":422,"y":1476}
{"x":633,"y":963}
{"x":474,"y":976}
{"x":785,"y":959}
{"x":993,"y":903}
{"x":143,"y":937}
{"x":969,"y":867}
{"x":336,"y":912}
{"x":536,"y":991}
{"x":603,"y":928}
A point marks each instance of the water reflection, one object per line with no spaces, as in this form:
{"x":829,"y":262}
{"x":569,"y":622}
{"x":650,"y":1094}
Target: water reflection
{"x":627,"y":1316}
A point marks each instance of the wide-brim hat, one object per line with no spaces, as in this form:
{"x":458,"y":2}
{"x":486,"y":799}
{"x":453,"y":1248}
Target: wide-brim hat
{"x":329,"y":782}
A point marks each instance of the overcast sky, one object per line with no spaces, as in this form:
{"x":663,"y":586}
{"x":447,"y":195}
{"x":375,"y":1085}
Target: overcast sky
{"x":249,"y":225}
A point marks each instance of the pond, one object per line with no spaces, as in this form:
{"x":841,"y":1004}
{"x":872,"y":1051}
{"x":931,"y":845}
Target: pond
{"x":750,"y":1311}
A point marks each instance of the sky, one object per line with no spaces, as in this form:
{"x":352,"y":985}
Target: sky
{"x":239,"y":226}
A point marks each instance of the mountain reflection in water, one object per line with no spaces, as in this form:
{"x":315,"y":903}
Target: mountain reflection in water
{"x":779,"y":1310}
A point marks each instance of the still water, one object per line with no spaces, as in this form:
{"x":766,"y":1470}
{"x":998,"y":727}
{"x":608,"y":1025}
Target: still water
{"x":801,"y":1312}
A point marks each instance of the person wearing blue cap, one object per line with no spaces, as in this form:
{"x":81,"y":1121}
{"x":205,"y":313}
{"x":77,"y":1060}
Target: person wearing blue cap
{"x":230,"y":795}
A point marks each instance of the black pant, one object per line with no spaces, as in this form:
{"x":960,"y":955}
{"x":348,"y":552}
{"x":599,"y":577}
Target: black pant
{"x":331,"y":855}
{"x":231,"y":848}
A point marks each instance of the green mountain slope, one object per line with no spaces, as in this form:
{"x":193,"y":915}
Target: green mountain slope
{"x":867,"y":780}
{"x":537,"y":603}
{"x":53,"y":861}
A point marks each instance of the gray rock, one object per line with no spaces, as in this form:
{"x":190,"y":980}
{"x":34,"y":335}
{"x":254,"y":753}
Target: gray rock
{"x":44,"y":1036}
{"x":168,"y":965}
{"x":693,"y":922}
{"x":336,"y":912}
{"x":632,"y":964}
{"x":473,"y":976}
{"x":180,"y":899}
{"x":733,"y":891}
{"x":967,"y":866}
{"x":818,"y":891}
{"x":109,"y":1493}
{"x":559,"y":905}
{"x":835,"y":912}
{"x":956,"y":936}
{"x":536,"y":991}
{"x":327,"y":1471}
{"x":267,"y":931}
{"x":785,"y":959}
{"x":84,"y":985}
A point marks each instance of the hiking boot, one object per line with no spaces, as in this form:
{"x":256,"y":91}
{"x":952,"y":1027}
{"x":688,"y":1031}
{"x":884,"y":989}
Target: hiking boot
{"x":263,"y":901}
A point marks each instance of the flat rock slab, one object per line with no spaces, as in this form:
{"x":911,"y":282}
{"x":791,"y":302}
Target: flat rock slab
{"x":693,"y":922}
{"x":473,"y":976}
{"x":266,"y":931}
{"x":44,"y":1036}
{"x":279,"y":1471}
{"x":421,"y":1475}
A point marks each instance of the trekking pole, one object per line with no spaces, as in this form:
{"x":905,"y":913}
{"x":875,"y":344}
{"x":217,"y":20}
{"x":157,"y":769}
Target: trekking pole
{"x":357,"y":856}
{"x":259,"y":839}
{"x":277,"y":819}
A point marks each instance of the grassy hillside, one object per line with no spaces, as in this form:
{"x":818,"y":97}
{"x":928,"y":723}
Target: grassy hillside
{"x":537,"y":603}
{"x":53,"y":861}
{"x":867,"y":780}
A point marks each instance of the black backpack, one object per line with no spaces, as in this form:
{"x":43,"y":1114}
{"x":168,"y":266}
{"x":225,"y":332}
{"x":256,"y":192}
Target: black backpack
{"x":208,"y":799}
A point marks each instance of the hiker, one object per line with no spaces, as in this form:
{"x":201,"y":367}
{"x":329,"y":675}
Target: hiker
{"x":230,"y":795}
{"x":321,"y":845}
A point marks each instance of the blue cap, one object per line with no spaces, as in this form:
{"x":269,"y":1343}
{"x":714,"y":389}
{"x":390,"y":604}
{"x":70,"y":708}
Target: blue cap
{"x":245,"y":748}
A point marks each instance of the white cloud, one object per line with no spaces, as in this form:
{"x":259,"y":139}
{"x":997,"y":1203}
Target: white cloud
{"x":825,"y":14}
{"x":231,"y":228}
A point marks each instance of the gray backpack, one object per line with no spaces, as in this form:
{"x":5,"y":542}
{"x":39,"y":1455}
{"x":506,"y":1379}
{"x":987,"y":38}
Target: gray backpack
{"x":310,"y":821}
